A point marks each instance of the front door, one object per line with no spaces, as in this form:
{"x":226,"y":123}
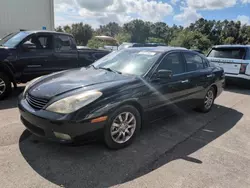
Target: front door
{"x":170,"y":91}
{"x":36,"y":60}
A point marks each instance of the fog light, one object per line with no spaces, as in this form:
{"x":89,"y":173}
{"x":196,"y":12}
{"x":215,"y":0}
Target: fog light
{"x":62,"y":136}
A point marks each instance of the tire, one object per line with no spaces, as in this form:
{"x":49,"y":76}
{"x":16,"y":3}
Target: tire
{"x":204,"y":107}
{"x":5,"y":86}
{"x":127,"y":130}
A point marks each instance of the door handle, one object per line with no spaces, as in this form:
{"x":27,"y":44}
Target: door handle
{"x":33,"y":66}
{"x":210,"y":76}
{"x":184,"y":81}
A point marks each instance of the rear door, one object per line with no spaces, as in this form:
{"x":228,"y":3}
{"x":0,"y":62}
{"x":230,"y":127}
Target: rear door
{"x":200,"y":76}
{"x":230,"y":59}
{"x":66,"y":54}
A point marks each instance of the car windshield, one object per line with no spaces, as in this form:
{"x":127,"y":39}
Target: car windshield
{"x":13,"y":39}
{"x":231,"y":53}
{"x":129,"y":61}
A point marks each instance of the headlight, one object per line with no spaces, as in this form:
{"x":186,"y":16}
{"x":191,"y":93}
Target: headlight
{"x":73,"y":103}
{"x":29,"y":84}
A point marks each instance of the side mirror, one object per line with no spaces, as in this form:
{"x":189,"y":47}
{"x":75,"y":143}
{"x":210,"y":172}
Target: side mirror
{"x":28,"y":46}
{"x":164,"y":74}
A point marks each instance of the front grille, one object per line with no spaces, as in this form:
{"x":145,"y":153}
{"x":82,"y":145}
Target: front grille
{"x":35,"y":102}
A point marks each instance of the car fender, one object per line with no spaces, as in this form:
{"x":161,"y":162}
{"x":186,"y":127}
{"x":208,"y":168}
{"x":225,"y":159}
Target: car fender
{"x":107,"y":109}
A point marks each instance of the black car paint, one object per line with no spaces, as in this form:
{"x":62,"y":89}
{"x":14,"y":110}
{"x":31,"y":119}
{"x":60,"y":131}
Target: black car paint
{"x":145,"y":92}
{"x":22,"y":66}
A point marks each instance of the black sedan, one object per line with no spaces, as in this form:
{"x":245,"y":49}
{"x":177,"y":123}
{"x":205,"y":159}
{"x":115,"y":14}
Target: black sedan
{"x":117,"y":93}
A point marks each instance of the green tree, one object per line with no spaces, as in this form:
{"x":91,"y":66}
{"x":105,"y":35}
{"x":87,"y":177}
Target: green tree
{"x":95,"y":43}
{"x":67,"y":29}
{"x":138,"y":29}
{"x":82,"y":33}
{"x":123,"y":37}
{"x":191,"y":40}
{"x":59,"y":29}
{"x":229,"y":40}
{"x":155,"y":40}
{"x":201,"y":34}
{"x":111,"y":29}
{"x":160,"y":30}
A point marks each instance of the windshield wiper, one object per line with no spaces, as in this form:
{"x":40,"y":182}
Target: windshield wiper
{"x":110,"y":70}
{"x":92,"y":66}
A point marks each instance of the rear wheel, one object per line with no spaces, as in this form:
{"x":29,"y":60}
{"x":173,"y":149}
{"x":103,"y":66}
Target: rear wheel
{"x":122,"y":127}
{"x":208,"y":101}
{"x":5,"y":85}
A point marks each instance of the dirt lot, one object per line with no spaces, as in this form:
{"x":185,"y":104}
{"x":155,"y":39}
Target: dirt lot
{"x":188,"y":149}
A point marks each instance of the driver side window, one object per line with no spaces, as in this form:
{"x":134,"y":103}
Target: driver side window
{"x":172,"y":62}
{"x":40,"y":42}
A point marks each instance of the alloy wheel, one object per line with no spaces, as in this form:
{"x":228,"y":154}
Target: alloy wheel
{"x":2,"y":86}
{"x":123,"y":127}
{"x":209,"y":99}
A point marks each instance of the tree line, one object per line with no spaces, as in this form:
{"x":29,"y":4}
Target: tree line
{"x":201,"y":34}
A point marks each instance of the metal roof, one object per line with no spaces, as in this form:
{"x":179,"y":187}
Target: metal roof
{"x":158,"y":48}
{"x":45,"y":31}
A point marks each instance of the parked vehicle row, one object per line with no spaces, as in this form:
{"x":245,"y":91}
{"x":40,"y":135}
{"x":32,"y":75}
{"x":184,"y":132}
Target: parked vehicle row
{"x":27,"y":55}
{"x":117,"y":93}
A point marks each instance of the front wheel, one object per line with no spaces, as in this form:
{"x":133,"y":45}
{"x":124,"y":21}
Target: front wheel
{"x":5,"y":85}
{"x":122,"y":127}
{"x":208,"y":101}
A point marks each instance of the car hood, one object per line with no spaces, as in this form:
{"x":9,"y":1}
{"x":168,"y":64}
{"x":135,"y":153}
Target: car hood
{"x":62,"y":82}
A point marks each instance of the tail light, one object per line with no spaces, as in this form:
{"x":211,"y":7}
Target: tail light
{"x":243,"y":68}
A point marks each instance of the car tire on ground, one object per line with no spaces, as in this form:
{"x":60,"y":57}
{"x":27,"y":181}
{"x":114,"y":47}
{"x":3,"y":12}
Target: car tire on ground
{"x":208,"y":101}
{"x":122,"y":127}
{"x":5,"y":85}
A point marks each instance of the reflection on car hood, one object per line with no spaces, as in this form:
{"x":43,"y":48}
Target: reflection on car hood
{"x":59,"y":83}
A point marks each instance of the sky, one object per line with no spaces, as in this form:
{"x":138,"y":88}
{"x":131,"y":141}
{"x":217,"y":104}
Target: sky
{"x":179,"y":12}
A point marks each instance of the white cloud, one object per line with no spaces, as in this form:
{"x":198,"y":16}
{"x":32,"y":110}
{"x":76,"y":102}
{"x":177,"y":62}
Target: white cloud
{"x":174,"y":2}
{"x":94,"y":5}
{"x":211,"y":4}
{"x":121,"y":11}
{"x":243,"y":19}
{"x":245,"y":1}
{"x":188,"y":16}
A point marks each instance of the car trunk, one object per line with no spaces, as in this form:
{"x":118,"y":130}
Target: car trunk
{"x":229,"y":66}
{"x":230,"y":59}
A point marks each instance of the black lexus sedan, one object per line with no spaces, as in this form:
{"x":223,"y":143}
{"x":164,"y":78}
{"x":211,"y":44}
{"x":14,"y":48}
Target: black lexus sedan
{"x":117,"y":93}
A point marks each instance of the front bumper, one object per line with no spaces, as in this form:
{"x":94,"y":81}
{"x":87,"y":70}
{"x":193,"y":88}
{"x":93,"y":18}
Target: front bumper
{"x":45,"y":124}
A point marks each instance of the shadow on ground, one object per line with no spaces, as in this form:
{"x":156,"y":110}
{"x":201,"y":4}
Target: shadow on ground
{"x":236,"y":88}
{"x":11,"y":101}
{"x":158,"y":144}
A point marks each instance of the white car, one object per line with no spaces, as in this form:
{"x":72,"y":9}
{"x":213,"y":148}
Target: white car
{"x":234,"y":59}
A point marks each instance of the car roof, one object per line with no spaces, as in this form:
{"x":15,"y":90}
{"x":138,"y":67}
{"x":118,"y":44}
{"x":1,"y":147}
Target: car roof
{"x":45,"y":31}
{"x":232,"y":46}
{"x":161,"y":49}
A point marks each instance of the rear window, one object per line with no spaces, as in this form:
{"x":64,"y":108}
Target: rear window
{"x":231,"y":53}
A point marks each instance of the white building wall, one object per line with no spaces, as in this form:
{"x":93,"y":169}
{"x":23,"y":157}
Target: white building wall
{"x":26,"y":14}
